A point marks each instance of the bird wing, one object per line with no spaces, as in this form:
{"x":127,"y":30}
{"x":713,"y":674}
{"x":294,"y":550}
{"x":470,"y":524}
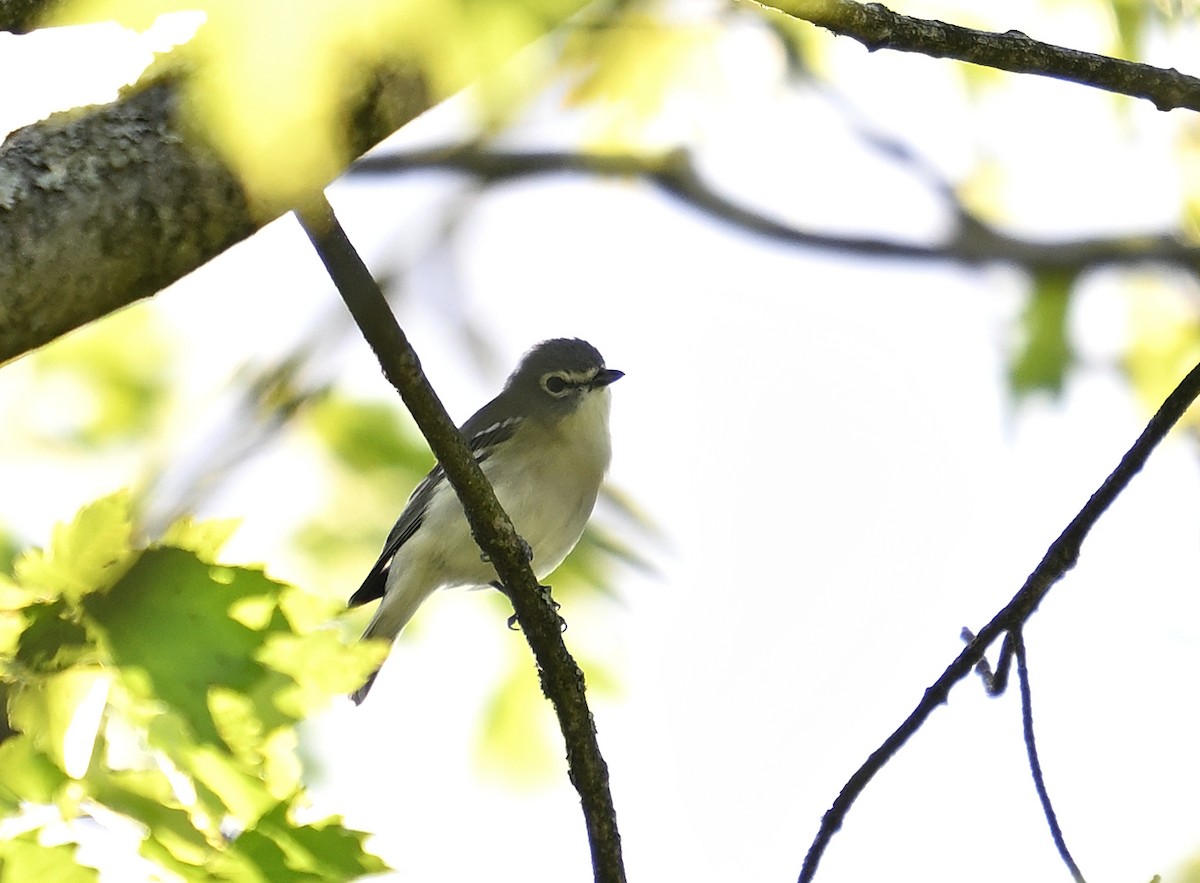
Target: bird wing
{"x":483,"y":432}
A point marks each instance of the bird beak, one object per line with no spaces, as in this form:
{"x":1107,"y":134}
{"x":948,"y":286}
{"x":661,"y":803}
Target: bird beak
{"x":606,"y":376}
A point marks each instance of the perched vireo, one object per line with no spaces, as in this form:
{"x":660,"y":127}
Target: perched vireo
{"x":543,"y":443}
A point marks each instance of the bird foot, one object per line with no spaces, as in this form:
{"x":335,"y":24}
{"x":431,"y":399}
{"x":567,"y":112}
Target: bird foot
{"x":544,"y":592}
{"x":525,"y":547}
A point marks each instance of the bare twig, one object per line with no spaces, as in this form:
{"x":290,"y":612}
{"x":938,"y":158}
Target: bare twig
{"x":1059,"y":558}
{"x":562,"y":680}
{"x":994,"y":682}
{"x":971,"y":243}
{"x":1035,"y":766}
{"x":877,"y":27}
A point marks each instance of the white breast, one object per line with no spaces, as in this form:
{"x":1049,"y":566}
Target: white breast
{"x":550,"y":494}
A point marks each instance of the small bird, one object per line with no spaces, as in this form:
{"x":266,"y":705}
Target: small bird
{"x":543,"y":443}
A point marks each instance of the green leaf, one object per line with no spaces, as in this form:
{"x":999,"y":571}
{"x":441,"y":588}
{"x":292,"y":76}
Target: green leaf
{"x":168,"y":620}
{"x":225,"y":785}
{"x":147,"y":796}
{"x":23,"y":858}
{"x":1044,"y":355}
{"x":87,"y":555}
{"x":51,"y":641}
{"x":321,"y":665}
{"x":26,"y":774}
{"x":62,"y":716}
{"x":284,"y":851}
{"x":205,"y":538}
{"x":9,"y":549}
{"x":180,"y":665}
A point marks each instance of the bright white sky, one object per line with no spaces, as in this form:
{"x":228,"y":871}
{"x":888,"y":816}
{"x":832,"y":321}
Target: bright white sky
{"x":842,"y":485}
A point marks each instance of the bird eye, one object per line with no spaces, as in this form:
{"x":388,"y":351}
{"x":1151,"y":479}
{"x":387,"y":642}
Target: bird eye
{"x":555,"y":384}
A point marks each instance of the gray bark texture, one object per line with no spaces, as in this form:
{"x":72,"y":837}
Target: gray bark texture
{"x":22,"y":16}
{"x":104,"y":205}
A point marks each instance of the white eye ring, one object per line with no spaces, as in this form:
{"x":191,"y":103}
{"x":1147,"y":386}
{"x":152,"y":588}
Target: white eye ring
{"x":556,"y":385}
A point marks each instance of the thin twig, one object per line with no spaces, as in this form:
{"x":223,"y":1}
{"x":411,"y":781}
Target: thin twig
{"x":994,"y":682}
{"x":1059,"y":558}
{"x":1035,"y":766}
{"x":877,"y":27}
{"x":562,"y":680}
{"x":971,"y":243}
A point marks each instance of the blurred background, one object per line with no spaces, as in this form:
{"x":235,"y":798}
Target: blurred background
{"x":886,"y":321}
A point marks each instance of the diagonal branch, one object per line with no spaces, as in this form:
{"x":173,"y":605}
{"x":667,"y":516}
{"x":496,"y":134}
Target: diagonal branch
{"x":101,"y":206}
{"x":562,"y":680}
{"x":877,"y":27}
{"x":1059,"y":558}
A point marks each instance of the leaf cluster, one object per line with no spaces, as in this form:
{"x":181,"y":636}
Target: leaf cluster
{"x":164,"y":687}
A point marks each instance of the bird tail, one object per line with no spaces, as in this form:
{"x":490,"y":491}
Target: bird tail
{"x":361,"y":693}
{"x":392,"y":615}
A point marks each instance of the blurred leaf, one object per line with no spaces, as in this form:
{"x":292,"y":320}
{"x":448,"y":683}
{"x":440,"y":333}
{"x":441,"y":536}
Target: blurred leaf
{"x":519,"y":741}
{"x":6,"y":728}
{"x":321,"y":665}
{"x":1187,"y":164}
{"x":62,"y":716}
{"x":271,"y":83}
{"x":379,"y":460}
{"x":121,"y":366}
{"x":86,"y":555}
{"x":1129,"y":21}
{"x":26,"y":774}
{"x":146,"y":795}
{"x":237,"y":786}
{"x":589,"y":567}
{"x":1041,"y":361}
{"x":369,"y":435}
{"x":51,"y":639}
{"x":517,"y":734}
{"x":23,"y":859}
{"x":204,"y":538}
{"x":802,"y":47}
{"x":1164,"y":342}
{"x":9,"y":550}
{"x":982,"y":192}
{"x":627,"y":69}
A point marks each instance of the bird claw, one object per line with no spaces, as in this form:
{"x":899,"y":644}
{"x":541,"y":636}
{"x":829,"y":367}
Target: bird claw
{"x":544,"y":592}
{"x":525,"y":547}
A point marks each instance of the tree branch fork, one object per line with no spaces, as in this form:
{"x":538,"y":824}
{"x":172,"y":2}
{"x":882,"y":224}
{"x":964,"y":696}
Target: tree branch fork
{"x":1060,"y":557}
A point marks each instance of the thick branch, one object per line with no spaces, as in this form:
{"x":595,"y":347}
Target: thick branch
{"x":1059,"y":558}
{"x":22,"y":16}
{"x":972,"y":242}
{"x":104,"y":205}
{"x":562,"y":680}
{"x":101,"y":207}
{"x":877,"y":27}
